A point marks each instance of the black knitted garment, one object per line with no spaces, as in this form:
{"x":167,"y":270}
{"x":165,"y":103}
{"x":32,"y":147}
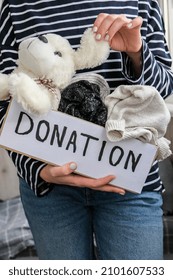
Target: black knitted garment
{"x":82,"y":100}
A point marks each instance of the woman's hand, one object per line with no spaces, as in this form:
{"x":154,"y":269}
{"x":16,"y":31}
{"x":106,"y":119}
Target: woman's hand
{"x":64,"y":175}
{"x":123,"y":35}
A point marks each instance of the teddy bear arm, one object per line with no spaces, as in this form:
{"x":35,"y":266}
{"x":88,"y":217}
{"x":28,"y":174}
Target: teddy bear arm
{"x":33,"y":97}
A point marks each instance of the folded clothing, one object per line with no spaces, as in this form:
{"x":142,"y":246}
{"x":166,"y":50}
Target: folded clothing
{"x":136,"y":111}
{"x":82,"y":99}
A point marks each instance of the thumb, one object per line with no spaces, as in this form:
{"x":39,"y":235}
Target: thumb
{"x":65,"y":169}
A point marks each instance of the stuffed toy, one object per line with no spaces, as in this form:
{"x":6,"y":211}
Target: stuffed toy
{"x":46,"y":65}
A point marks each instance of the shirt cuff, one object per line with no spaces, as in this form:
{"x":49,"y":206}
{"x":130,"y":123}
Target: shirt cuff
{"x":42,"y":187}
{"x":127,"y":69}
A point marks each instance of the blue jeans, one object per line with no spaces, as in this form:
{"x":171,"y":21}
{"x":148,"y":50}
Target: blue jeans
{"x":125,"y":227}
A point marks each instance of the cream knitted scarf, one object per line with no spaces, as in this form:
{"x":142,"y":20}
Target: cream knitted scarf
{"x":139,"y":112}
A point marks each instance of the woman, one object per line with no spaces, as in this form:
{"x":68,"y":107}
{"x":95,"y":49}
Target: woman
{"x":64,"y":209}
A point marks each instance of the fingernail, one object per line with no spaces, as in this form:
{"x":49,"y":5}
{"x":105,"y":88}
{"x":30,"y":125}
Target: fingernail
{"x":129,"y":25}
{"x":98,"y":36}
{"x":95,"y":29}
{"x":122,"y":193}
{"x":73,"y":166}
{"x":107,"y":37}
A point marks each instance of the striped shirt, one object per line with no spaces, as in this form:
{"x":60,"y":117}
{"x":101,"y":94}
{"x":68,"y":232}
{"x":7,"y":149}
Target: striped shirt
{"x":22,"y":19}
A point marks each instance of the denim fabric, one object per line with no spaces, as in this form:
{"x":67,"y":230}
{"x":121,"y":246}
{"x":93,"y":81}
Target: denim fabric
{"x":125,"y":227}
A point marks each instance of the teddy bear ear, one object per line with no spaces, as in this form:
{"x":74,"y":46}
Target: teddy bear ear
{"x":91,"y":52}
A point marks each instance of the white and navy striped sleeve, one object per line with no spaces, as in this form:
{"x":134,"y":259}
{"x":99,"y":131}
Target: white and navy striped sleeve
{"x":156,"y":60}
{"x":27,"y":168}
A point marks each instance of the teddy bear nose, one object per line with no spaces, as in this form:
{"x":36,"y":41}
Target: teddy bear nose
{"x":43,"y":39}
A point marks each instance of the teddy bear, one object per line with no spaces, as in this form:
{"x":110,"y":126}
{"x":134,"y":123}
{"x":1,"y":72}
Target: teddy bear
{"x":46,"y":65}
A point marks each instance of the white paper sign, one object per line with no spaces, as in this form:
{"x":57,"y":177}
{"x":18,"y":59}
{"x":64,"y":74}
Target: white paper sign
{"x":58,"y":138}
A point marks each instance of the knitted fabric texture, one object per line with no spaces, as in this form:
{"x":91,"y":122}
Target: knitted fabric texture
{"x":96,"y":79}
{"x":82,"y":99}
{"x":139,"y":112}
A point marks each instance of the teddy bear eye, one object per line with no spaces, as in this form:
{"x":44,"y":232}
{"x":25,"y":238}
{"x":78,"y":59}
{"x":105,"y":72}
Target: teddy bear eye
{"x":58,"y":53}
